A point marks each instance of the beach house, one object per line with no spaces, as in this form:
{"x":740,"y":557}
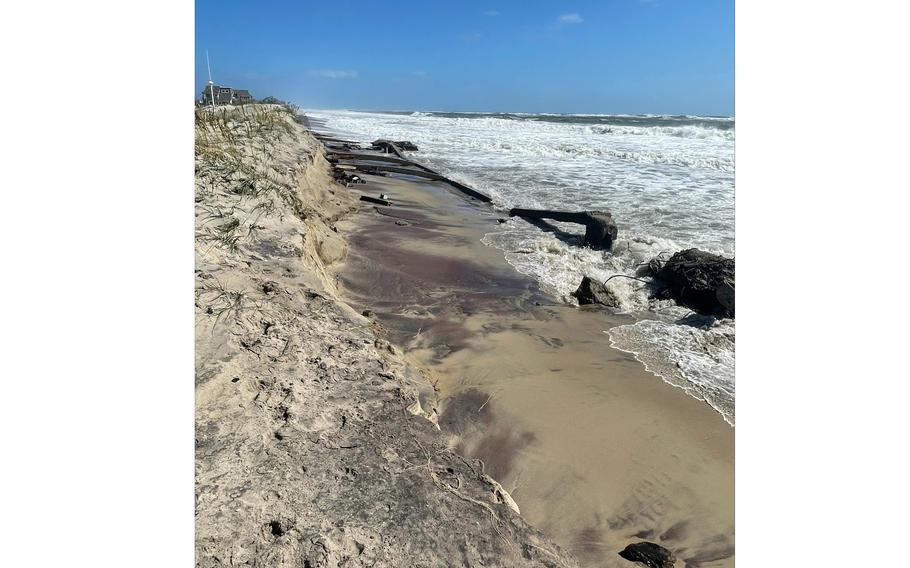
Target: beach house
{"x":225,"y":95}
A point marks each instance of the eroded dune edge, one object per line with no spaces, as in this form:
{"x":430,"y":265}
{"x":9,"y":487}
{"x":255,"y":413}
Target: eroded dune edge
{"x":312,"y":446}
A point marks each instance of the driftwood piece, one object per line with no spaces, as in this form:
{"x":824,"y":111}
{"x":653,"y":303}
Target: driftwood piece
{"x":600,"y":230}
{"x":377,"y":200}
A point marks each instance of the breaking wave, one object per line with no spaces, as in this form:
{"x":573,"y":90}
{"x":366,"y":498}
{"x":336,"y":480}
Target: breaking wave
{"x":699,"y":360}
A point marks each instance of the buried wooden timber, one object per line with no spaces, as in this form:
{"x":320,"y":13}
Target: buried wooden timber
{"x":336,"y":155}
{"x":342,"y":146}
{"x":336,"y":140}
{"x":424,"y":173}
{"x":391,"y":147}
{"x":600,"y":230}
{"x":326,"y":138}
{"x":371,"y":168}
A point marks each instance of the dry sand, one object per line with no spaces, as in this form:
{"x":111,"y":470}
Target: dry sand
{"x":597,"y":452}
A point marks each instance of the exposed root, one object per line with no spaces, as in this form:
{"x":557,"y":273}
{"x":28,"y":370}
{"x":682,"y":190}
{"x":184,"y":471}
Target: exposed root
{"x":494,"y":518}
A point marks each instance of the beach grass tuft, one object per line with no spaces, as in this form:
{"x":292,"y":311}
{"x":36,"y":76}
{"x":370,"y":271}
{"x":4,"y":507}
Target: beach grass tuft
{"x":242,"y":165}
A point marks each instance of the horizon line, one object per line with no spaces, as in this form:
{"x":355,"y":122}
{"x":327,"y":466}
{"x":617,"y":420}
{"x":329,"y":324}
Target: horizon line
{"x":731,"y":116}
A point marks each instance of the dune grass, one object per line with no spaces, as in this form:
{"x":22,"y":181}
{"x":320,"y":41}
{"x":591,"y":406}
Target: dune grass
{"x":242,"y":164}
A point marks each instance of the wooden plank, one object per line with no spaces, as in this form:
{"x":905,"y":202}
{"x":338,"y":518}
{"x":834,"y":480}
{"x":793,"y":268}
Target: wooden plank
{"x":425,"y":173}
{"x":327,"y":138}
{"x":336,"y":154}
{"x":375,"y":200}
{"x":600,"y":230}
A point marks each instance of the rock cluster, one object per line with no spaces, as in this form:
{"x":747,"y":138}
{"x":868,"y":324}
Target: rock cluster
{"x":701,"y":281}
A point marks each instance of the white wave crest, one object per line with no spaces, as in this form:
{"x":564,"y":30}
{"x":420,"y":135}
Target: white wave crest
{"x":676,"y":131}
{"x":701,"y":361}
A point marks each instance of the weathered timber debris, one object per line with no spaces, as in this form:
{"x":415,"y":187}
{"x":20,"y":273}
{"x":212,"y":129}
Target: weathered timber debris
{"x":393,"y":147}
{"x":406,"y":145}
{"x":343,"y":176}
{"x":370,"y":168}
{"x":327,"y":138}
{"x":389,"y":147}
{"x":600,"y":230}
{"x":649,"y":554}
{"x":335,"y":156}
{"x":378,"y":200}
{"x":424,"y":173}
{"x":701,"y":281}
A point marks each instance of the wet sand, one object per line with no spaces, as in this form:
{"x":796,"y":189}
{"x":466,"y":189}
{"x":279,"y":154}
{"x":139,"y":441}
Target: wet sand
{"x":596,"y":451}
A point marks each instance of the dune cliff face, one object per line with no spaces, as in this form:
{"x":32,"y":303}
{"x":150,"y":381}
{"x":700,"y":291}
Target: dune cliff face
{"x":312,"y":445}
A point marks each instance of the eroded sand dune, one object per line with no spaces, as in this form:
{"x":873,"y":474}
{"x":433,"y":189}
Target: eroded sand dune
{"x":312,"y":446}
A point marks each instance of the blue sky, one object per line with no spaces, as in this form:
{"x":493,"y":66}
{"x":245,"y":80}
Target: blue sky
{"x":610,"y":56}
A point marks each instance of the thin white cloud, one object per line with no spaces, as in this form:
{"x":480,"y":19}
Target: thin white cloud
{"x":572,"y":18}
{"x":419,"y":73}
{"x":334,"y":74}
{"x":491,"y":13}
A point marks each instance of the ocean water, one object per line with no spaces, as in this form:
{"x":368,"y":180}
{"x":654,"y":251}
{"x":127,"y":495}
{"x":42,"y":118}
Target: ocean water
{"x":667,"y":180}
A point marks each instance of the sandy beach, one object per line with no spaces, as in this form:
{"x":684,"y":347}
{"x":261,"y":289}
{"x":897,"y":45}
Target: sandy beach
{"x":596,"y":451}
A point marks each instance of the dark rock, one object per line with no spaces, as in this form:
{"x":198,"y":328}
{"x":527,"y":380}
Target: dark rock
{"x":591,"y":291}
{"x":269,"y":286}
{"x":701,"y":281}
{"x":726,"y":297}
{"x":649,"y":554}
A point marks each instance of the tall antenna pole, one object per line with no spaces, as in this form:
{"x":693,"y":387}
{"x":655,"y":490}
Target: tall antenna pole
{"x":211,"y":84}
